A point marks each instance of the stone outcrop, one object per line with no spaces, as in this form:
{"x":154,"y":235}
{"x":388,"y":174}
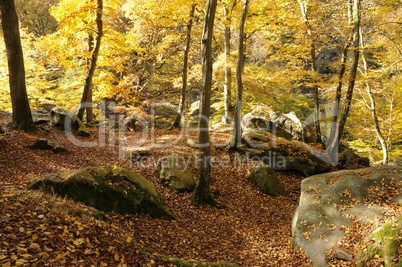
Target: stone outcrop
{"x":251,"y":122}
{"x":106,"y":189}
{"x":68,"y":120}
{"x":40,"y":116}
{"x":44,"y":144}
{"x":175,"y":173}
{"x":265,"y":178}
{"x":329,"y":202}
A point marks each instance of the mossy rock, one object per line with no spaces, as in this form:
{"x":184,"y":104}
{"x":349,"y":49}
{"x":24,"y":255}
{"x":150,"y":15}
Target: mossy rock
{"x":175,"y":173}
{"x":265,"y":178}
{"x":107,"y":189}
{"x":384,"y":244}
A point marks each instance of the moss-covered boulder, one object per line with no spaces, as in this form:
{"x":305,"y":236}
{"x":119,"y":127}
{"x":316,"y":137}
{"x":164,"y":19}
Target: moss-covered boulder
{"x":384,"y":245}
{"x":265,"y":178}
{"x":175,"y":173}
{"x":107,"y":189}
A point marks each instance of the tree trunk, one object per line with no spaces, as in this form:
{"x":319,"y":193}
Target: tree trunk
{"x":22,"y":116}
{"x":353,"y":68}
{"x":372,"y":107}
{"x":333,"y":140}
{"x":239,"y":72}
{"x":89,"y":110}
{"x":177,"y":122}
{"x":86,"y":95}
{"x":228,"y":70}
{"x":202,"y":191}
{"x":303,"y":7}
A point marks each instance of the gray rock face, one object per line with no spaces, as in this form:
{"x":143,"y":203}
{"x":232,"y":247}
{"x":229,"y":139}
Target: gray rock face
{"x":106,"y":189}
{"x":265,"y":178}
{"x":40,"y":116}
{"x":67,"y":120}
{"x":251,"y":122}
{"x":330,"y":201}
{"x":175,"y":173}
{"x":288,"y":126}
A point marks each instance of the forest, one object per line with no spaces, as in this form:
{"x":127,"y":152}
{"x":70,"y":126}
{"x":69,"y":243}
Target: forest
{"x":113,"y":88}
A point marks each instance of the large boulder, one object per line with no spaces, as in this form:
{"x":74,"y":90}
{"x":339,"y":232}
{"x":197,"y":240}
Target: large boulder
{"x":251,"y":122}
{"x":331,"y":202}
{"x":68,"y":120}
{"x":287,"y":126}
{"x":107,"y":189}
{"x":40,"y":116}
{"x":265,"y":178}
{"x":175,"y":173}
{"x":349,"y":160}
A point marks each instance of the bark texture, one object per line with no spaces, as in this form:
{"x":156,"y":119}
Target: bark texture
{"x":239,"y":80}
{"x":22,"y":116}
{"x":202,"y":191}
{"x":87,"y":94}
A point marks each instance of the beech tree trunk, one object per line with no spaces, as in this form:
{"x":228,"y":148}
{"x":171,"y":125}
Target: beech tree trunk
{"x":89,"y":110}
{"x":202,"y":191}
{"x":372,"y":107}
{"x":177,"y":122}
{"x":86,"y":101}
{"x":227,"y":87}
{"x":338,"y":127}
{"x":353,"y":68}
{"x":303,"y":7}
{"x":239,"y":72}
{"x":22,"y":116}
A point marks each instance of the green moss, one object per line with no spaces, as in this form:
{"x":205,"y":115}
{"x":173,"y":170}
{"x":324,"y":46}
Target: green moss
{"x":125,"y":198}
{"x":386,"y":243}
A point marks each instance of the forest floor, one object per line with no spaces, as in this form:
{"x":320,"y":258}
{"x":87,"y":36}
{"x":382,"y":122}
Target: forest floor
{"x":39,"y":229}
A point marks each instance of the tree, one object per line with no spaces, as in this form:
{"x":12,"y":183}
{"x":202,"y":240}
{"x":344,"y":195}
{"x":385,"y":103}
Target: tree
{"x":86,"y":99}
{"x":22,"y":116}
{"x":177,"y":122}
{"x":338,"y":128}
{"x":228,"y":69}
{"x":372,"y":105}
{"x":239,"y":73}
{"x":202,"y":191}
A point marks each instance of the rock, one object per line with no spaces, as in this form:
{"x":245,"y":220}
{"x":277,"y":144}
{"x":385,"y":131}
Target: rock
{"x":41,"y":144}
{"x":287,"y":126}
{"x":302,"y":165}
{"x":175,"y":173}
{"x":107,"y":189}
{"x":308,"y":133}
{"x":44,"y":144}
{"x":384,"y":242}
{"x":329,"y":201}
{"x":342,"y":254}
{"x":40,"y":116}
{"x":349,"y":160}
{"x":58,"y":149}
{"x":67,"y":120}
{"x":265,"y":178}
{"x":251,"y":122}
